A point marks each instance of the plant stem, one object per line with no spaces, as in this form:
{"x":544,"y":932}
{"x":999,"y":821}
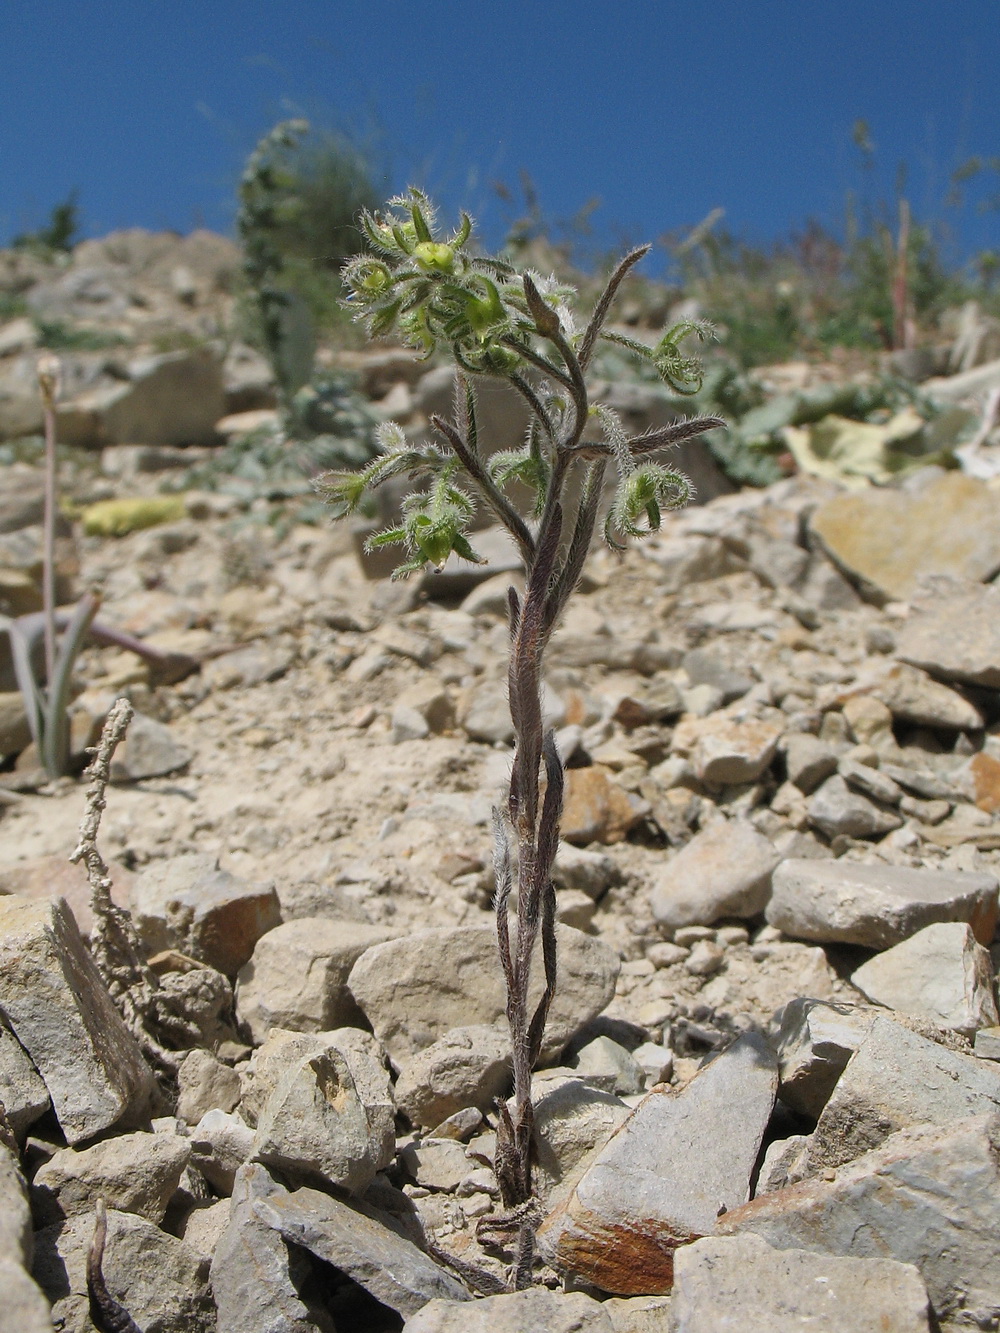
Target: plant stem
{"x":48,"y":380}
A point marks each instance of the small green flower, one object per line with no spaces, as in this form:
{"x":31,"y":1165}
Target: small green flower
{"x":435,"y":257}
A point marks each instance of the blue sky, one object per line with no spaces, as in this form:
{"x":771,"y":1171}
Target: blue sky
{"x":662,"y":109}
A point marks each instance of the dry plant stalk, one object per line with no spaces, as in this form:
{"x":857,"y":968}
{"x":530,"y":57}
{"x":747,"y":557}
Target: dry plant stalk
{"x":146,"y":1008}
{"x":107,"y":1314}
{"x":518,"y":327}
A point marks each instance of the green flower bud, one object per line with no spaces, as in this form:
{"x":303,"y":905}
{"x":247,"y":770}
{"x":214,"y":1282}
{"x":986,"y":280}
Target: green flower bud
{"x":435,"y":257}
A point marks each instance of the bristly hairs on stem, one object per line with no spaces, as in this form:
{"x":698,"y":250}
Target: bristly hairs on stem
{"x":436,"y":292}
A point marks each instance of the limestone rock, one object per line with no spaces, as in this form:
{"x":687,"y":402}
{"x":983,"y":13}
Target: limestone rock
{"x":221,"y":1143}
{"x":135,"y":1173}
{"x":150,"y":750}
{"x":591,"y":872}
{"x":953,"y":631}
{"x":55,"y":876}
{"x":258,"y":1280}
{"x":886,"y":538}
{"x":725,"y":870}
{"x":808,"y":760}
{"x":15,"y":1215}
{"x":814,"y":1041}
{"x":358,"y":1241}
{"x":572,"y":1118}
{"x":416,"y":989}
{"x":23,"y":1094}
{"x":205,"y":1084}
{"x":297,"y":977}
{"x":741,"y":1282}
{"x":162,"y":1282}
{"x":930,"y":1196}
{"x":876,"y":905}
{"x":912,"y":696}
{"x":726,"y":750}
{"x":61,"y":1013}
{"x":468,"y":1066}
{"x":662,"y":1179}
{"x":941,"y":974}
{"x":515,"y":1312}
{"x":894,"y":1079}
{"x":188,"y":903}
{"x":836,"y":810}
{"x":314,"y":1124}
{"x":596,"y":808}
{"x":605,"y":1064}
{"x":24,"y":1308}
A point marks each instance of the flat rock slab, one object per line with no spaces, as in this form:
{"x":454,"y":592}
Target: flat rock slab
{"x":913,"y":696}
{"x":941,"y":974}
{"x":723,"y":871}
{"x":416,"y":989}
{"x":15,"y":1215}
{"x":63,"y":1016}
{"x":953,"y":631}
{"x":256,"y":1277}
{"x":894,"y":1079}
{"x":837,"y":901}
{"x":660,"y":1181}
{"x":360,"y":1244}
{"x":837,"y":810}
{"x":136,"y":1173}
{"x":533,"y":1311}
{"x":24,"y":1309}
{"x":885,"y":539}
{"x":727,"y":749}
{"x":24,"y":1096}
{"x":930,"y":1196}
{"x":740,"y":1282}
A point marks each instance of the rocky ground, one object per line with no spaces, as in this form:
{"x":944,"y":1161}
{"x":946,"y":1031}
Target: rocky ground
{"x":771,"y":1093}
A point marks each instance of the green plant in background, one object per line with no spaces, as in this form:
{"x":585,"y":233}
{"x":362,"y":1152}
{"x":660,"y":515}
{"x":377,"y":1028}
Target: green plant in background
{"x":436,"y":293}
{"x":62,"y":232}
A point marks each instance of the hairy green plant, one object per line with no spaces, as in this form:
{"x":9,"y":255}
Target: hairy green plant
{"x":436,"y":292}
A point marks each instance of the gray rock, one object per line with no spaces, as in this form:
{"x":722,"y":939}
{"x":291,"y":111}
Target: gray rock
{"x":221,"y":1143}
{"x":23,"y":1094}
{"x":162,"y":1282}
{"x":297,"y":977}
{"x":912,"y":696}
{"x":439,"y":1165}
{"x":876,"y":905}
{"x":741,"y":1282}
{"x":662,"y":1179}
{"x":987,"y":1043}
{"x":204,"y":1225}
{"x":135,"y":1173}
{"x":870,"y":781}
{"x":314,"y":1124}
{"x":257,"y":1279}
{"x":814,"y":1041}
{"x":885,"y":538}
{"x":638,"y":1314}
{"x":150,"y":750}
{"x":655,"y":1061}
{"x":468,"y":1066}
{"x":54,"y":999}
{"x":362,"y":1242}
{"x":837,"y":810}
{"x":205,"y":1084}
{"x":953,"y":631}
{"x":705,"y":667}
{"x":785,"y":1162}
{"x":416,"y":989}
{"x":364,"y":1058}
{"x":726,"y":750}
{"x":898,"y":1078}
{"x":571,"y":1120}
{"x":170,"y":398}
{"x":605,"y":1064}
{"x":24,"y":1308}
{"x":808,"y":760}
{"x":723,"y":871}
{"x":593,"y":873}
{"x":188,"y":903}
{"x":941,"y":974}
{"x":532,"y":1311}
{"x":15,"y":1214}
{"x":485,"y":714}
{"x":930,"y":1197}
